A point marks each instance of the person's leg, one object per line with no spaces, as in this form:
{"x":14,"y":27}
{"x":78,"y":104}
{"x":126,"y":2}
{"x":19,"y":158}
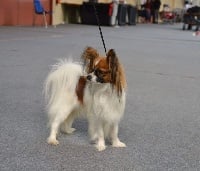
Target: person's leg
{"x":153,"y":14}
{"x":149,"y":15}
{"x":156,"y":16}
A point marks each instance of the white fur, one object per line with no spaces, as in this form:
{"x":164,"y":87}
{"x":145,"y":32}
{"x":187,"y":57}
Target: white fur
{"x":101,"y":104}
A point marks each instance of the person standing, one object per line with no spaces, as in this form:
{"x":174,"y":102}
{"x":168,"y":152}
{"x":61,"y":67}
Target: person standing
{"x":155,"y":10}
{"x":148,"y":7}
{"x":114,"y":19}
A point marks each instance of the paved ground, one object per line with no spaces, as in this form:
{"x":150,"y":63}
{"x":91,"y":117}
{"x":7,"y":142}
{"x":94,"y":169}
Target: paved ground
{"x":161,"y":126}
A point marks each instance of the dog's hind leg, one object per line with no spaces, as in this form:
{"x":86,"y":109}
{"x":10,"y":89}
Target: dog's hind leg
{"x":114,"y":136}
{"x":66,"y":126}
{"x":55,"y":125}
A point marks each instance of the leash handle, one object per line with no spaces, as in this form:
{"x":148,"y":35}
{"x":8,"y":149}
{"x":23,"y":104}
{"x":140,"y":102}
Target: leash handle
{"x":98,"y":22}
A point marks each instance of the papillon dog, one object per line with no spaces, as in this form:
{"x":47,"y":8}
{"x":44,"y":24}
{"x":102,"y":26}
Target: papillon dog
{"x":95,"y":88}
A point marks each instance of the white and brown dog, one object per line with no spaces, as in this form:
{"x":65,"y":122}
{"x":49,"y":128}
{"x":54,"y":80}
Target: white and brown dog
{"x":95,"y":88}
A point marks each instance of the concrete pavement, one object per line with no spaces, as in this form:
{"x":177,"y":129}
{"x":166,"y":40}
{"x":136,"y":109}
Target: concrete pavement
{"x":161,"y":126}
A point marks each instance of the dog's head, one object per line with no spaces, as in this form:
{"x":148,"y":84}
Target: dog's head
{"x":104,"y":69}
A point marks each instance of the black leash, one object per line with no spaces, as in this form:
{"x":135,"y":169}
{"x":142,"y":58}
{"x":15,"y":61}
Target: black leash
{"x":98,"y":22}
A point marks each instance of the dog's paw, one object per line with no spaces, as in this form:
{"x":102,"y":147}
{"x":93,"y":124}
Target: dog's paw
{"x":118,"y":144}
{"x":100,"y":147}
{"x":52,"y":141}
{"x":68,"y":131}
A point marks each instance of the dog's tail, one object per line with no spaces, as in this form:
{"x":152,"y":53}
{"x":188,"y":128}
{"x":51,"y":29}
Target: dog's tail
{"x":60,"y":82}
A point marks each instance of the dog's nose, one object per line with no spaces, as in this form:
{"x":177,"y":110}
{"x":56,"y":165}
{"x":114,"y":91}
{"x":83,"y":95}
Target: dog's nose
{"x":89,"y":77}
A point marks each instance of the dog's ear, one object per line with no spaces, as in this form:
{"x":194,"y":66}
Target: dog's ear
{"x":114,"y":67}
{"x":89,"y":55}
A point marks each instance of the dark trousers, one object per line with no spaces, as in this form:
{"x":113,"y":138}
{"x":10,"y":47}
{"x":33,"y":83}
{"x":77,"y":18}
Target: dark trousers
{"x":155,"y":15}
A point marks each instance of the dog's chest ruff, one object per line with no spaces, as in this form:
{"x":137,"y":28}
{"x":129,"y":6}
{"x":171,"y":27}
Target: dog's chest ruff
{"x":80,"y":87}
{"x":107,"y":105}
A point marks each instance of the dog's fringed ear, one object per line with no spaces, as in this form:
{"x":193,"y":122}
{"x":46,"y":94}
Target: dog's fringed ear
{"x":113,"y":62}
{"x":89,"y":55}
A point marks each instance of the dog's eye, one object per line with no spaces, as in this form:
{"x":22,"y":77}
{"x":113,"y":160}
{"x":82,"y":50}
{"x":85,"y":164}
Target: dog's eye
{"x":99,"y":72}
{"x":92,"y":70}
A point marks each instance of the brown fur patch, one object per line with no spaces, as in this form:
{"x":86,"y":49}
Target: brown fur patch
{"x":80,"y":88}
{"x":89,"y":55}
{"x":118,"y":79}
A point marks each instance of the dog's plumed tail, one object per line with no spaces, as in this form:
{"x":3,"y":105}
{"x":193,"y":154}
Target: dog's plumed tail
{"x":60,"y":85}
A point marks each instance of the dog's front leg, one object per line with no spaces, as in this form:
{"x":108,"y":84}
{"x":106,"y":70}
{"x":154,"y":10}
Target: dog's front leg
{"x":99,"y":132}
{"x":114,"y":136}
{"x":96,"y":133}
{"x":92,"y":131}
